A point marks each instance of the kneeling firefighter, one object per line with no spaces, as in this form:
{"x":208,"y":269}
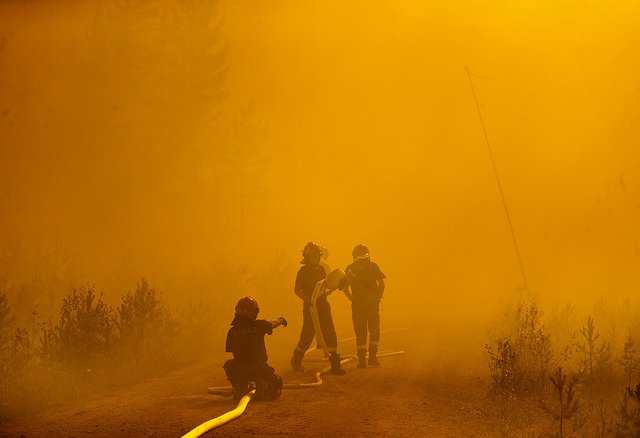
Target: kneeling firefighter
{"x":245,"y":339}
{"x":312,"y":287}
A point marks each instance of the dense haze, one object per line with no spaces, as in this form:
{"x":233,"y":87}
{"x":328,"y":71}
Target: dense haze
{"x":198,"y":145}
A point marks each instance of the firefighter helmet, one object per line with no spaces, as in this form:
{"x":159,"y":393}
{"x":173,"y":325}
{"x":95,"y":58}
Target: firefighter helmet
{"x":310,"y":250}
{"x":360,"y":252}
{"x":324,"y":252}
{"x":247,"y":306}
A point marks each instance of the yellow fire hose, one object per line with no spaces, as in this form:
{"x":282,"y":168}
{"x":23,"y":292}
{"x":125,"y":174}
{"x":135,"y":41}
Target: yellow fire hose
{"x":227,"y":390}
{"x":318,"y":379}
{"x":222,"y":419}
{"x":242,"y":405}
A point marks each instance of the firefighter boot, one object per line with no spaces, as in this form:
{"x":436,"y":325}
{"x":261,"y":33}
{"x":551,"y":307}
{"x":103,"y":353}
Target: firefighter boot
{"x":336,"y":368}
{"x":373,"y":359}
{"x":362,"y":358}
{"x":296,"y":361}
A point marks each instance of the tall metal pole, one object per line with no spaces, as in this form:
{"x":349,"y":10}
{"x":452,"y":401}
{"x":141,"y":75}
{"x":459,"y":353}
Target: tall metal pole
{"x":495,"y":172}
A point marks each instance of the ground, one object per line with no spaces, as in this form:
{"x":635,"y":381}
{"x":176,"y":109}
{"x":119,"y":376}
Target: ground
{"x":416,"y":394}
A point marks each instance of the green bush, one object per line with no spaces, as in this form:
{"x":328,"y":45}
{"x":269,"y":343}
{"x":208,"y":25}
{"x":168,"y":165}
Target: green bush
{"x":85,"y":331}
{"x":88,"y":345}
{"x":146,"y":328}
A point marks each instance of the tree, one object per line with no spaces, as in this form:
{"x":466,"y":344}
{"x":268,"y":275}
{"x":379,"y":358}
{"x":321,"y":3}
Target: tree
{"x":628,"y":359}
{"x":567,"y":405}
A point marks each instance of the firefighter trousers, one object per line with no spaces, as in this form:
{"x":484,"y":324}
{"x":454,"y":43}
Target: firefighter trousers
{"x":366,"y":316}
{"x":326,"y":322}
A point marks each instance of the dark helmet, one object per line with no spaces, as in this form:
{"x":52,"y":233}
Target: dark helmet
{"x":360,"y":252}
{"x":247,"y":306}
{"x":310,"y":250}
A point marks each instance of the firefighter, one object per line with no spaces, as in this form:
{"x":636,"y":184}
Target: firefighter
{"x":324,"y":255}
{"x":364,"y":285}
{"x":245,"y":339}
{"x":308,"y":280}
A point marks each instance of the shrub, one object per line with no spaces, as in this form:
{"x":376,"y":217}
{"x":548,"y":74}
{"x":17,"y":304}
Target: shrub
{"x":199,"y":327}
{"x":17,"y":362}
{"x":628,"y":424}
{"x":506,"y":374}
{"x":86,"y":346}
{"x":146,"y":328}
{"x":522,"y":359}
{"x":6,"y":321}
{"x":83,"y":335}
{"x":533,"y":342}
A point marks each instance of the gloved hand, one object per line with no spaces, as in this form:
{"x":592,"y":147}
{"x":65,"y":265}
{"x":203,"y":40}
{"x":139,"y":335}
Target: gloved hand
{"x":283,"y":321}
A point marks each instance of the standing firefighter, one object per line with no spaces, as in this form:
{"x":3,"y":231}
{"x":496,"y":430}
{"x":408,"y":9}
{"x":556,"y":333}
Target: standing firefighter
{"x":245,"y":340}
{"x":312,"y":289}
{"x":366,"y":283}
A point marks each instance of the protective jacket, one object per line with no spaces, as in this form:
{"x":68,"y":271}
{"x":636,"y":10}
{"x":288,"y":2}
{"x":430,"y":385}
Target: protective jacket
{"x":306,"y":281}
{"x":362,"y":276}
{"x":307,"y":278}
{"x":245,"y":339}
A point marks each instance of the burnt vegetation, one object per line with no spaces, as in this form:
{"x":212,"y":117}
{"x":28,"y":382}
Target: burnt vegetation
{"x":564,"y":375}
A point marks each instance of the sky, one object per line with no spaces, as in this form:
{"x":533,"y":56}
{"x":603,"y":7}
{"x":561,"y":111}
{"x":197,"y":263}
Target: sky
{"x":190,"y":143}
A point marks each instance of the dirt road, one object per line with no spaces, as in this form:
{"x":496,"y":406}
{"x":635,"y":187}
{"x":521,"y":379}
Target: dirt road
{"x":417,"y":394}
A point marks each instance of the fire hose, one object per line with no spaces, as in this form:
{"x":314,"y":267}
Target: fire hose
{"x":244,"y":401}
{"x":319,"y":290}
{"x":222,"y":419}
